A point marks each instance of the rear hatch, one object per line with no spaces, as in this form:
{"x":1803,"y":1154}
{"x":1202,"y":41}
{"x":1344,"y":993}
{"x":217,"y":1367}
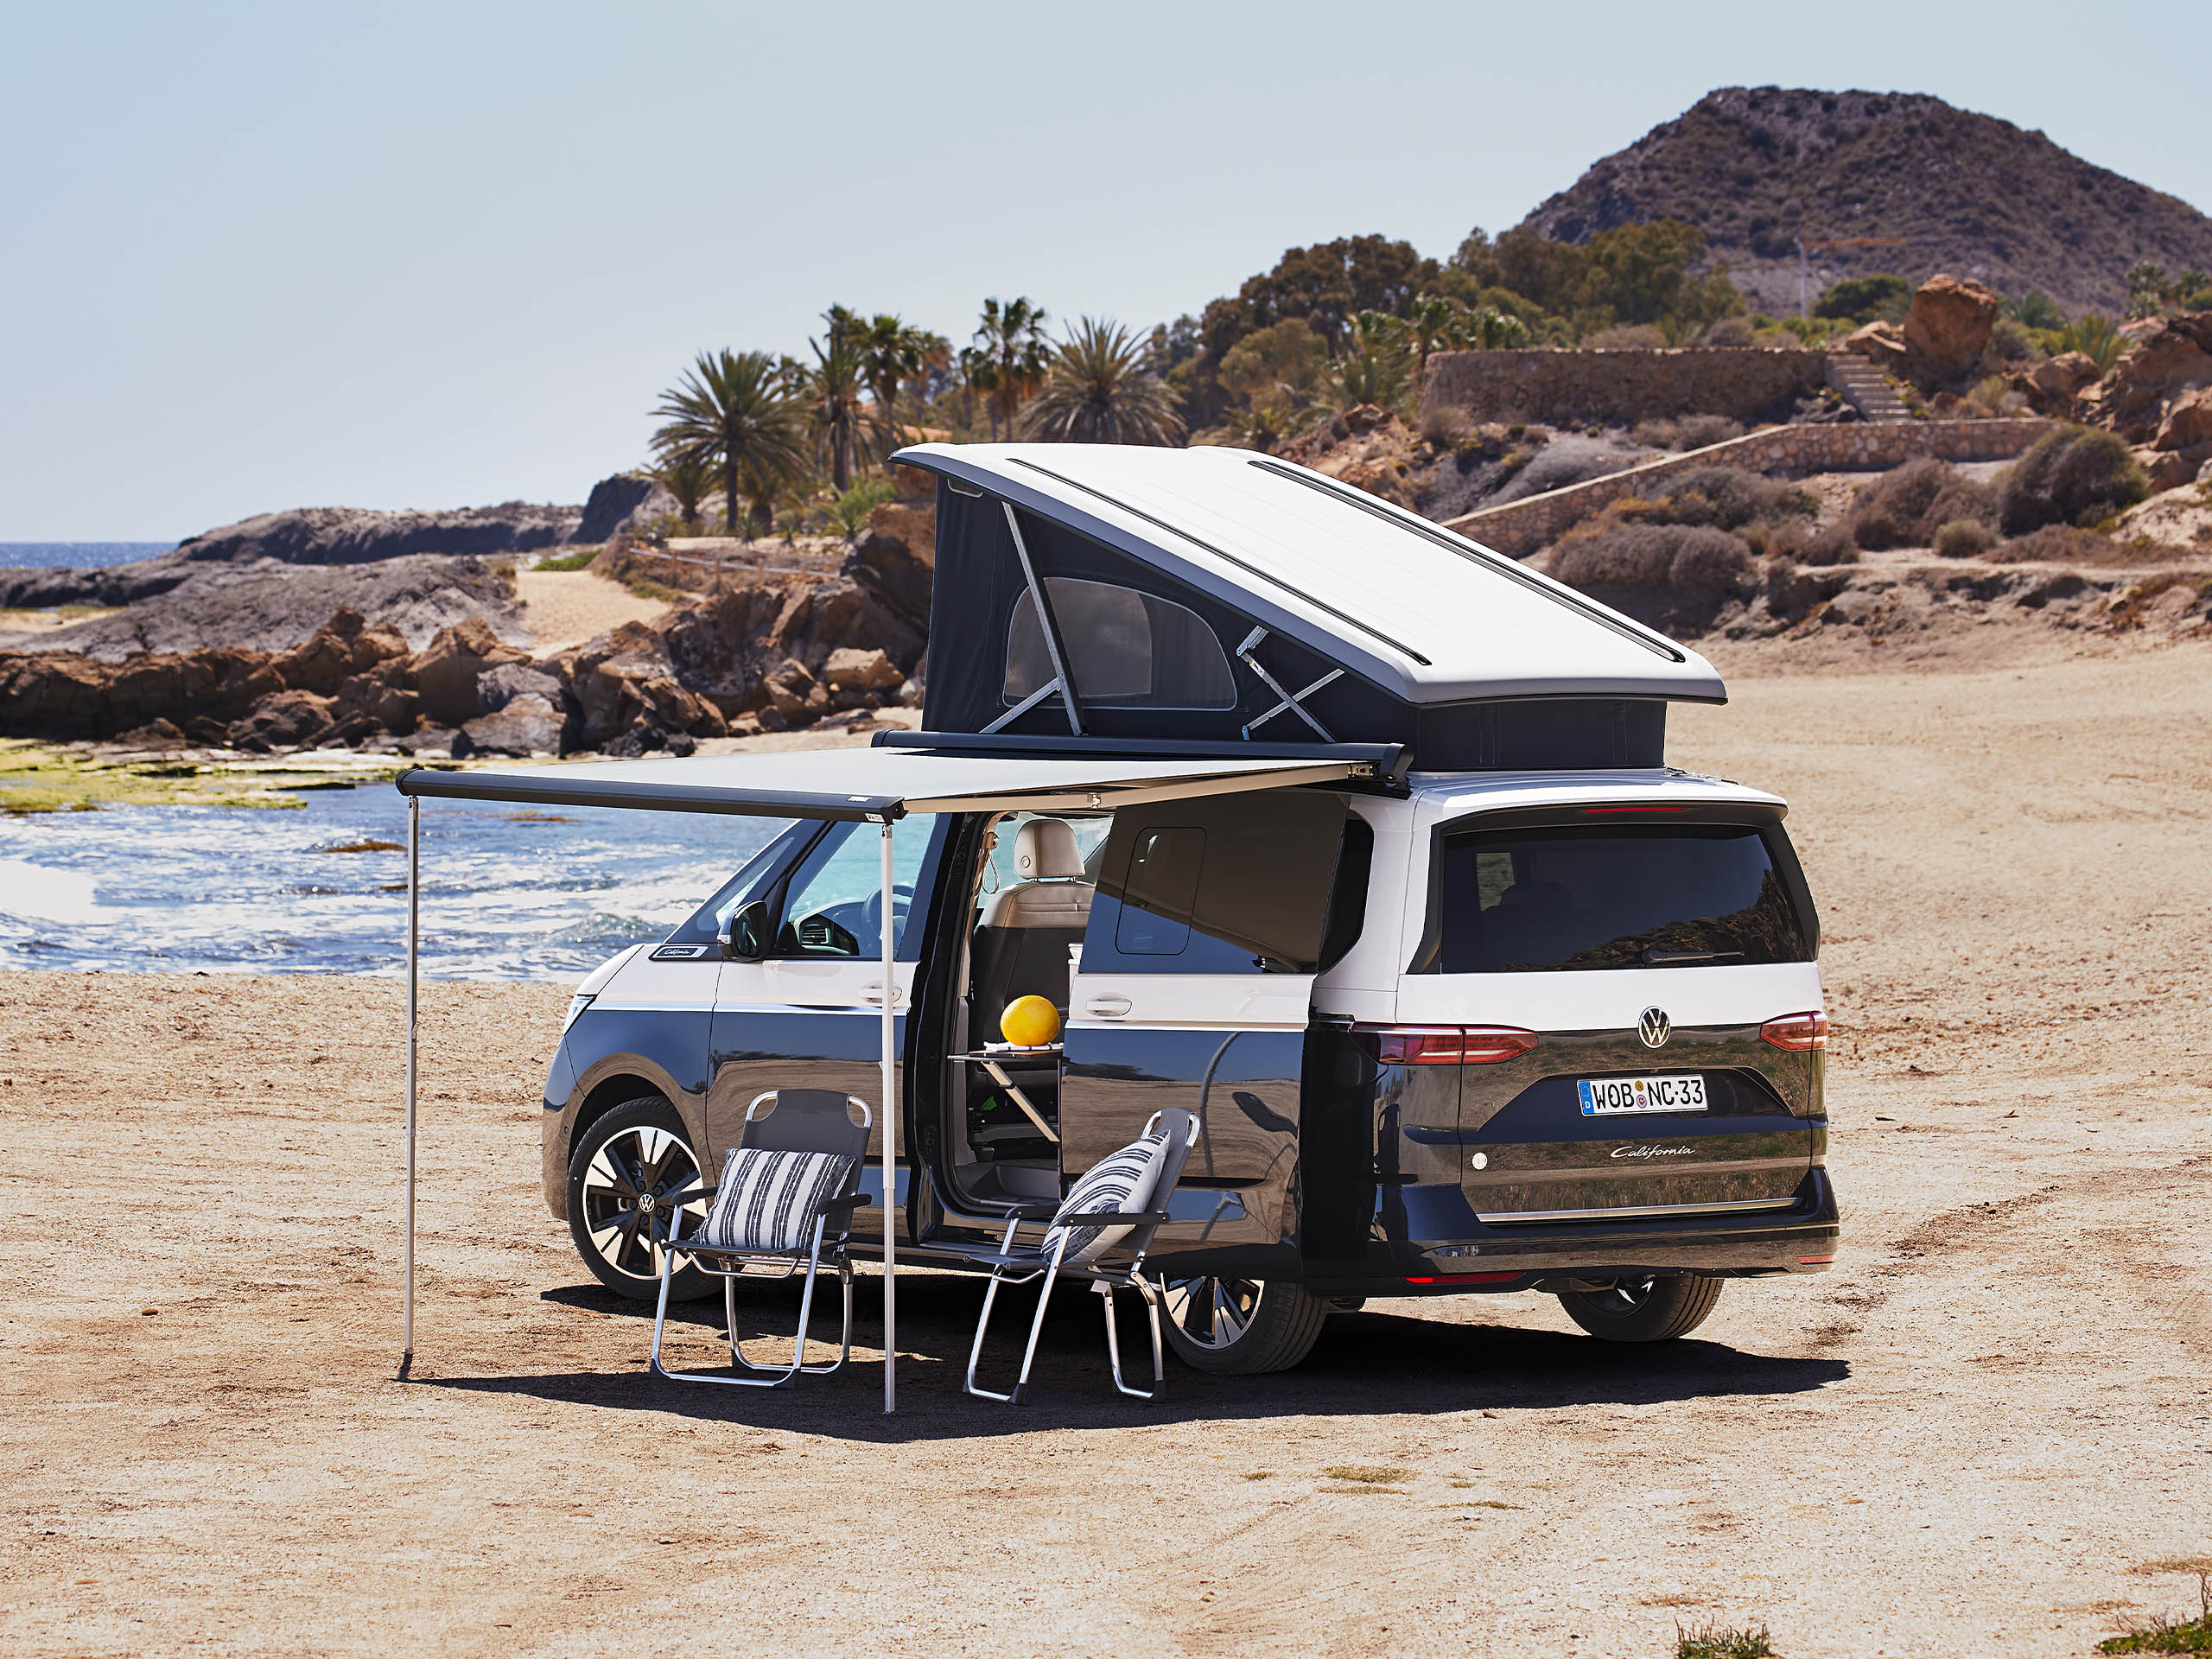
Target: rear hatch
{"x":1629,"y":998}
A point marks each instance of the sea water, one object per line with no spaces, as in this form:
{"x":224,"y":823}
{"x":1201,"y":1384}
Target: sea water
{"x":508,"y":893}
{"x":77,"y":555}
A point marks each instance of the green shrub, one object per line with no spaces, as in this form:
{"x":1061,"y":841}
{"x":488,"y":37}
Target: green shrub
{"x":2097,"y":338}
{"x":853,"y":506}
{"x":574,"y":560}
{"x":2036,"y":309}
{"x":1713,"y":1643}
{"x":1963,"y":539}
{"x":2077,"y":475}
{"x":1865,"y":299}
{"x":2009,"y":342}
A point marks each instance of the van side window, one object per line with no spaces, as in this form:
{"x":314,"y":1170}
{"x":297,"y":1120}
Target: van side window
{"x":833,"y":907}
{"x":1229,"y":884}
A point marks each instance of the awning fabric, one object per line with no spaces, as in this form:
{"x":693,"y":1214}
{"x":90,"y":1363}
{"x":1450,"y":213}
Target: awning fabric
{"x":878,"y":784}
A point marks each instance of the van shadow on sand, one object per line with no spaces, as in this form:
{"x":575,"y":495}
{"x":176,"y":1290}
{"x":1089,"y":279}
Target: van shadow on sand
{"x":1366,"y":1364}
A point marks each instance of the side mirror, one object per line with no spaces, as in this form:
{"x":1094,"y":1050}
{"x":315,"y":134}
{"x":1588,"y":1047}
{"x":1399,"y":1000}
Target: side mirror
{"x":747,"y":937}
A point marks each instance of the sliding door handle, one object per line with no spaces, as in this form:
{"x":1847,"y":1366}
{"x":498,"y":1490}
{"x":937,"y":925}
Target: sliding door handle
{"x":1107,"y":1008}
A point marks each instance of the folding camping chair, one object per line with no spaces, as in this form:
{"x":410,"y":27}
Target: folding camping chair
{"x":785,"y":1198}
{"x":1120,"y":1201}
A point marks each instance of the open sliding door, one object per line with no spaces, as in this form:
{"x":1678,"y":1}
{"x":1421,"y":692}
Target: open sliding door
{"x":1194,"y":989}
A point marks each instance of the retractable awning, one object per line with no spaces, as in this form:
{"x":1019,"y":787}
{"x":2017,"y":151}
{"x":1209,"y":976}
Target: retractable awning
{"x":874,"y":786}
{"x":878,"y":785}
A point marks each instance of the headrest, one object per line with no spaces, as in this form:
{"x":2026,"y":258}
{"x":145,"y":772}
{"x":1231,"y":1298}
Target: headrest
{"x":1045,"y":850}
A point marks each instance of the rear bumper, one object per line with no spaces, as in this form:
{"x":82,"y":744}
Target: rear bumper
{"x":1449,"y":1251}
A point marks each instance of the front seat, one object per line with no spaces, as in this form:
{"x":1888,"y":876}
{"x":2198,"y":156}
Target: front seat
{"x":1021,"y":942}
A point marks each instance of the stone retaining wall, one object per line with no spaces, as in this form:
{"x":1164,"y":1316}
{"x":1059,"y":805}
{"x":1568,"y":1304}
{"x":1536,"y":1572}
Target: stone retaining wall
{"x":1521,"y":527}
{"x":1741,"y":382}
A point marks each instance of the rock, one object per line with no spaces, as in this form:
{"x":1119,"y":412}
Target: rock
{"x":895,"y":562}
{"x":1948,"y":326}
{"x":2171,"y":354}
{"x":1361,"y":418}
{"x":2188,"y":421}
{"x":1881,"y":344}
{"x":433,"y":740}
{"x":625,"y":679}
{"x":335,"y":652}
{"x":356,"y":536}
{"x":2169,"y":469}
{"x":497,"y":687}
{"x":284,"y":720}
{"x":64,"y":695}
{"x":861,"y":670}
{"x":640,"y":739}
{"x":622,"y":502}
{"x":447,"y":672}
{"x":524,"y":725}
{"x":374,"y":697}
{"x":2065,"y":375}
{"x":155,"y":734}
{"x":683,"y":745}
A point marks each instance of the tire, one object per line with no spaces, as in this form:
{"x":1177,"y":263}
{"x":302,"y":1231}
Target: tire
{"x":639,"y":1149}
{"x":1239,"y":1327}
{"x":1644,"y":1310}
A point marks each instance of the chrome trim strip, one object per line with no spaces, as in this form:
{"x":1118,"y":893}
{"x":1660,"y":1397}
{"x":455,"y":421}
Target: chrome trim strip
{"x":1632,"y":1212}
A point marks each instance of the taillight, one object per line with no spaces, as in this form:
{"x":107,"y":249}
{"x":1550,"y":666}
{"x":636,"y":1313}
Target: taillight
{"x":1797,"y":1032}
{"x":1448,"y":1045}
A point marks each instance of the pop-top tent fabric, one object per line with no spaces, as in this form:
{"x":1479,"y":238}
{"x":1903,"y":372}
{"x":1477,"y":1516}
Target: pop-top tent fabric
{"x":1195,"y":592}
{"x":879,"y":786}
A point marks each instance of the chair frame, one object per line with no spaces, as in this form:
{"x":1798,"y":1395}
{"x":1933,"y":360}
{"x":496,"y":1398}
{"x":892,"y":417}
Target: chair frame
{"x":730,"y":1266}
{"x":1105,"y":1280}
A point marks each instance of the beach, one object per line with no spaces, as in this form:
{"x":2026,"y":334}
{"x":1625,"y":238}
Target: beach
{"x":1988,"y":1429}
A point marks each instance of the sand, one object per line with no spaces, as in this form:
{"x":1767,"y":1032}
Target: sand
{"x":566,"y":608}
{"x":1988,"y":1431}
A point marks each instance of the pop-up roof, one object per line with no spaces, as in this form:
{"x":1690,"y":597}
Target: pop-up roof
{"x":1188,"y":592}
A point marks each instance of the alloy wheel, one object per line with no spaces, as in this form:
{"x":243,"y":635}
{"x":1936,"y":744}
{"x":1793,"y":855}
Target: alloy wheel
{"x":1211,"y":1312}
{"x":637,"y":1176}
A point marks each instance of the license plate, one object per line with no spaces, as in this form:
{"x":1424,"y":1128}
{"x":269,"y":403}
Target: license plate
{"x":1612,"y":1097}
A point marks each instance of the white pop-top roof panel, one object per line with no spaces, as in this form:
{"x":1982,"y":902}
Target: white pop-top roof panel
{"x":1425,"y":614}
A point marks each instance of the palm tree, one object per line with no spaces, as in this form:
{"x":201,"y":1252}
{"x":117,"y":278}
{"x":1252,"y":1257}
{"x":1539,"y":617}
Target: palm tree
{"x":689,"y":477}
{"x":976,"y":375}
{"x":1099,"y":388}
{"x":1375,"y":366}
{"x":1011,"y":338}
{"x":1437,"y":324}
{"x":730,"y":414}
{"x":831,"y":386}
{"x":892,"y":353}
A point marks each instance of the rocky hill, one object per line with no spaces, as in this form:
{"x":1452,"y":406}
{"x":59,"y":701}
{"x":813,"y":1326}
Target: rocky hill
{"x":1757,"y":167}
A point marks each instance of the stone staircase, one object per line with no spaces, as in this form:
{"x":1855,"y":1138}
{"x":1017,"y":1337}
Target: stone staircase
{"x":1865,"y":388}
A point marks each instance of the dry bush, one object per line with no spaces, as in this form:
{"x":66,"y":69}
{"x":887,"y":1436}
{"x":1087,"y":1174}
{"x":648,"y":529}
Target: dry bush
{"x":1963,"y":539}
{"x":2063,"y":544}
{"x":1685,"y":561}
{"x":1625,"y":336}
{"x":1727,"y":497}
{"x":1699,"y":431}
{"x":2077,"y":475}
{"x":1903,"y":508}
{"x":1833,"y":545}
{"x":1658,"y":435}
{"x":1445,"y":427}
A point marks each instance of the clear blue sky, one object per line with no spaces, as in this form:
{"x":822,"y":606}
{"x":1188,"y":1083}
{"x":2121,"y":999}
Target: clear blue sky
{"x":262,"y":256}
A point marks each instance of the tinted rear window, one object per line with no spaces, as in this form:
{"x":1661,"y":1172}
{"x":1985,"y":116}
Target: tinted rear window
{"x":1612,"y":896}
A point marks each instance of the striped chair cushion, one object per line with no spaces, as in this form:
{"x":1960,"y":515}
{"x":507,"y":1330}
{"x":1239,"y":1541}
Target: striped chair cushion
{"x":768,"y":1200}
{"x":1121,"y":1181}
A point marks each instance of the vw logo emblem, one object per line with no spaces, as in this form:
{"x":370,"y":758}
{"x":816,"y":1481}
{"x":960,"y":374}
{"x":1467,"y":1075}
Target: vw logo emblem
{"x":1655,"y":1027}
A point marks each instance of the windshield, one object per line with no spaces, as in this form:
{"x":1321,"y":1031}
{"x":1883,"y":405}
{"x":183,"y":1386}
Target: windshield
{"x":1612,"y":896}
{"x":752,"y":882}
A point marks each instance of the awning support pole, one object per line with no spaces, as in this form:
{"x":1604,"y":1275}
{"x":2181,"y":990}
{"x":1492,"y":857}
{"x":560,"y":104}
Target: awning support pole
{"x":889,"y":1119}
{"x":414,"y":952}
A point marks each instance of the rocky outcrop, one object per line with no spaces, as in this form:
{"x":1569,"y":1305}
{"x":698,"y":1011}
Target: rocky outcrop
{"x":273,"y":607}
{"x":620,"y":503}
{"x":1949,"y":327}
{"x":2173,"y":355}
{"x":358,"y":535}
{"x":447,"y":672}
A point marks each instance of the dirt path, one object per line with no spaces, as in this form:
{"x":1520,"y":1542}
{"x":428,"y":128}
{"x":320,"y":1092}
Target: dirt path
{"x":1979,"y":1435}
{"x":566,"y":608}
